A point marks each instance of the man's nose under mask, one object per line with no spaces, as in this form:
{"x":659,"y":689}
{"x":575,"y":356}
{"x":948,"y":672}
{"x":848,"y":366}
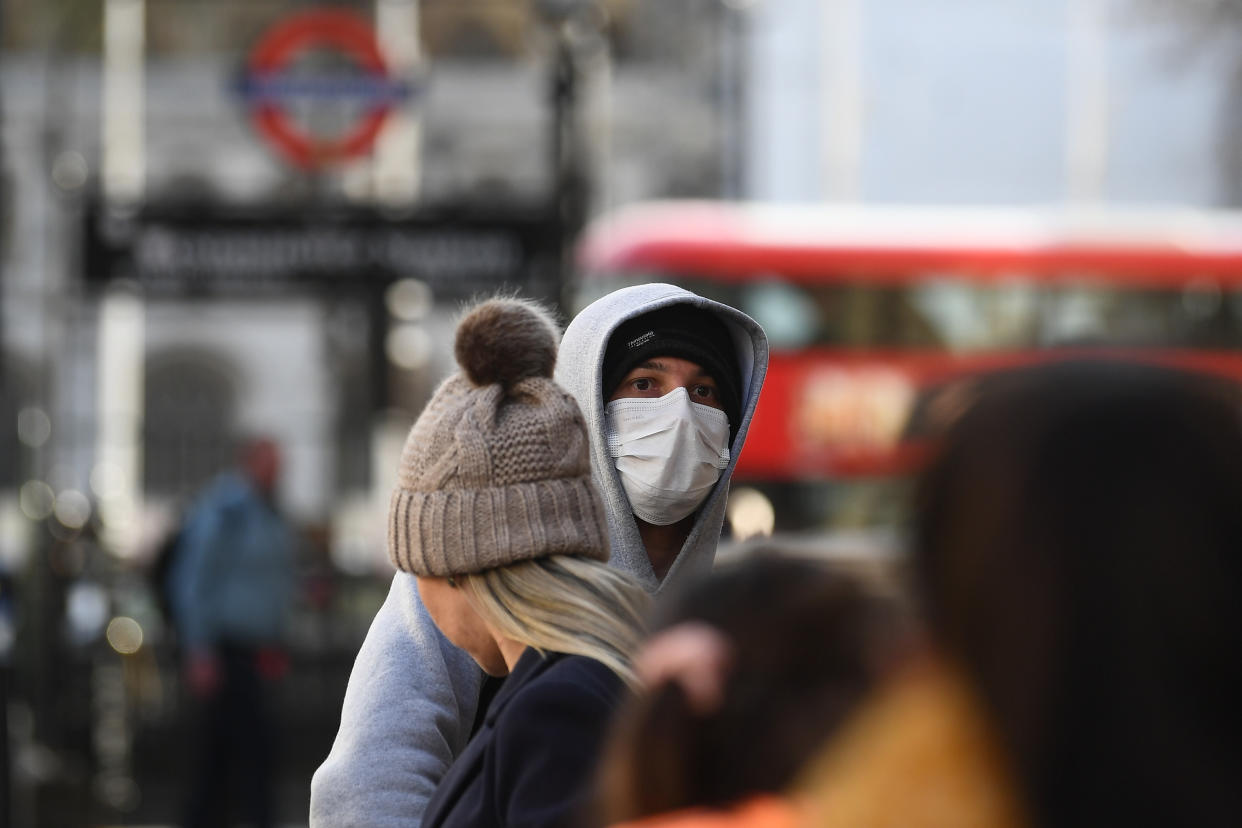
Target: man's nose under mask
{"x":669,"y":452}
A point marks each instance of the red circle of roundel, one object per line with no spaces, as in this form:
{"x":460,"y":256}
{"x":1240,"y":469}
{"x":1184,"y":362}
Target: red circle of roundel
{"x":339,"y":28}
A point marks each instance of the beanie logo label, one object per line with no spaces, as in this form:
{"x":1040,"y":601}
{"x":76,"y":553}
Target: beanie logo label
{"x":640,"y":340}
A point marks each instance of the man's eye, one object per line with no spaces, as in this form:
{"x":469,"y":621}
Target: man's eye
{"x":642,"y":384}
{"x":704,"y":391}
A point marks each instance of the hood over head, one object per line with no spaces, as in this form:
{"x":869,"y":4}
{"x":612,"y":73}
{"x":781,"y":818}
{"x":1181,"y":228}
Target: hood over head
{"x":580,"y":369}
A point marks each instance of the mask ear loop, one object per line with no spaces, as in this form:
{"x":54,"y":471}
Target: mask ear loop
{"x":705,"y":413}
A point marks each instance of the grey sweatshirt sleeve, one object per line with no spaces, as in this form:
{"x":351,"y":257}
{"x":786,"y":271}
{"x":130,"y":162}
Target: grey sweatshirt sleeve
{"x":408,"y":708}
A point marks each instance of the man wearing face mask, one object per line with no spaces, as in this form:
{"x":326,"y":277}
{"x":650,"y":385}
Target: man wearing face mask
{"x":667,"y":382}
{"x":674,"y":379}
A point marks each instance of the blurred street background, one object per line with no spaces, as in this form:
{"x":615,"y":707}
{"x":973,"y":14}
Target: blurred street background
{"x":228,"y":219}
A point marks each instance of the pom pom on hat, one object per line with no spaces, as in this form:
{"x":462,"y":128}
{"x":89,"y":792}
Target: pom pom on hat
{"x":505,"y":341}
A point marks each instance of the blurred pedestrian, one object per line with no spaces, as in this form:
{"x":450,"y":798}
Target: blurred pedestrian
{"x":231,"y":583}
{"x":1076,"y":551}
{"x":751,"y":671}
{"x":496,"y":515}
{"x":667,"y":382}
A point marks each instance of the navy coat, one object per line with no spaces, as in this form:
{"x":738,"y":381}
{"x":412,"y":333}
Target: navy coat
{"x":532,"y":758}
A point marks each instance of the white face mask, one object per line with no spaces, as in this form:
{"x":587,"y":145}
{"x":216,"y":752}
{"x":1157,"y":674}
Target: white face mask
{"x":669,"y":452}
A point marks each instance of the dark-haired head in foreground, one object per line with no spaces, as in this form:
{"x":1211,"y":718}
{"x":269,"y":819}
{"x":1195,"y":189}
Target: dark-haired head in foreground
{"x":804,"y":644}
{"x":1078,"y":552}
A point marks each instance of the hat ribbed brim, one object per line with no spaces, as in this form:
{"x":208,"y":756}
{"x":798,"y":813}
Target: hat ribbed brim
{"x":462,"y":531}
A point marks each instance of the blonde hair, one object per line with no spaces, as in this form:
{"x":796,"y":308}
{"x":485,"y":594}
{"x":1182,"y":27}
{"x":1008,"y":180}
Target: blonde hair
{"x":565,"y":604}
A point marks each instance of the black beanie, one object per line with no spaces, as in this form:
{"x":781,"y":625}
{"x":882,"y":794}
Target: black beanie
{"x":681,"y":331}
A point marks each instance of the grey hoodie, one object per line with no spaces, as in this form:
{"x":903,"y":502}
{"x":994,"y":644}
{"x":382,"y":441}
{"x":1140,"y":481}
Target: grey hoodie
{"x":412,"y":695}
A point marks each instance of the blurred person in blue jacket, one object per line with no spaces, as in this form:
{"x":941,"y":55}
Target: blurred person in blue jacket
{"x":231,"y":584}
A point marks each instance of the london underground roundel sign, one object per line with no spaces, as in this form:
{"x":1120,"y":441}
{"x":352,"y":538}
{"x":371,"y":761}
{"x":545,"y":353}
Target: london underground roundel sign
{"x":270,"y":85}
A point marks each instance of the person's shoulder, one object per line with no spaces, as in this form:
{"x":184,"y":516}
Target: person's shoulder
{"x":568,"y":685}
{"x":562,"y":711}
{"x":585,"y":674}
{"x":227,"y":489}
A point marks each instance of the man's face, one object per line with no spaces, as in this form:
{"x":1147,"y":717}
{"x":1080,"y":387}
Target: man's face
{"x":661,"y":375}
{"x":261,"y":461}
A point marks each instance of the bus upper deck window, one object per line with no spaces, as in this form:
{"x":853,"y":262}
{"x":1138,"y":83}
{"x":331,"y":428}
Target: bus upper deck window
{"x":789,"y":320}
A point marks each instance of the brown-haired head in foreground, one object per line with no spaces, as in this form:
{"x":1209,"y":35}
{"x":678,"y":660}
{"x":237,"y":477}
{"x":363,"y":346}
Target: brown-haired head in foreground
{"x":1078,"y":551}
{"x":804,"y":645}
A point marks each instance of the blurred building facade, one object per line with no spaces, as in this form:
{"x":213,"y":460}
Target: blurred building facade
{"x":648,"y":113}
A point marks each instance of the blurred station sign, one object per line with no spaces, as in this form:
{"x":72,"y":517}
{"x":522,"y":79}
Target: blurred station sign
{"x":197,"y":249}
{"x":358,"y":80}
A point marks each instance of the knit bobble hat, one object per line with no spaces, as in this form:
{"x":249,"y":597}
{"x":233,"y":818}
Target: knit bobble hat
{"x":496,"y":469}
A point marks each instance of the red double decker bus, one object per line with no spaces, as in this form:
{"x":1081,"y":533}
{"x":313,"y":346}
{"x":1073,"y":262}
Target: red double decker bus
{"x":884,"y":320}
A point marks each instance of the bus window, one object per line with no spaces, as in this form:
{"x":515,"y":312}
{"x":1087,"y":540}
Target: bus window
{"x":790,"y":322}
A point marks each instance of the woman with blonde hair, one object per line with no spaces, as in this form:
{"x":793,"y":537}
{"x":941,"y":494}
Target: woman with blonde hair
{"x":496,"y":514}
